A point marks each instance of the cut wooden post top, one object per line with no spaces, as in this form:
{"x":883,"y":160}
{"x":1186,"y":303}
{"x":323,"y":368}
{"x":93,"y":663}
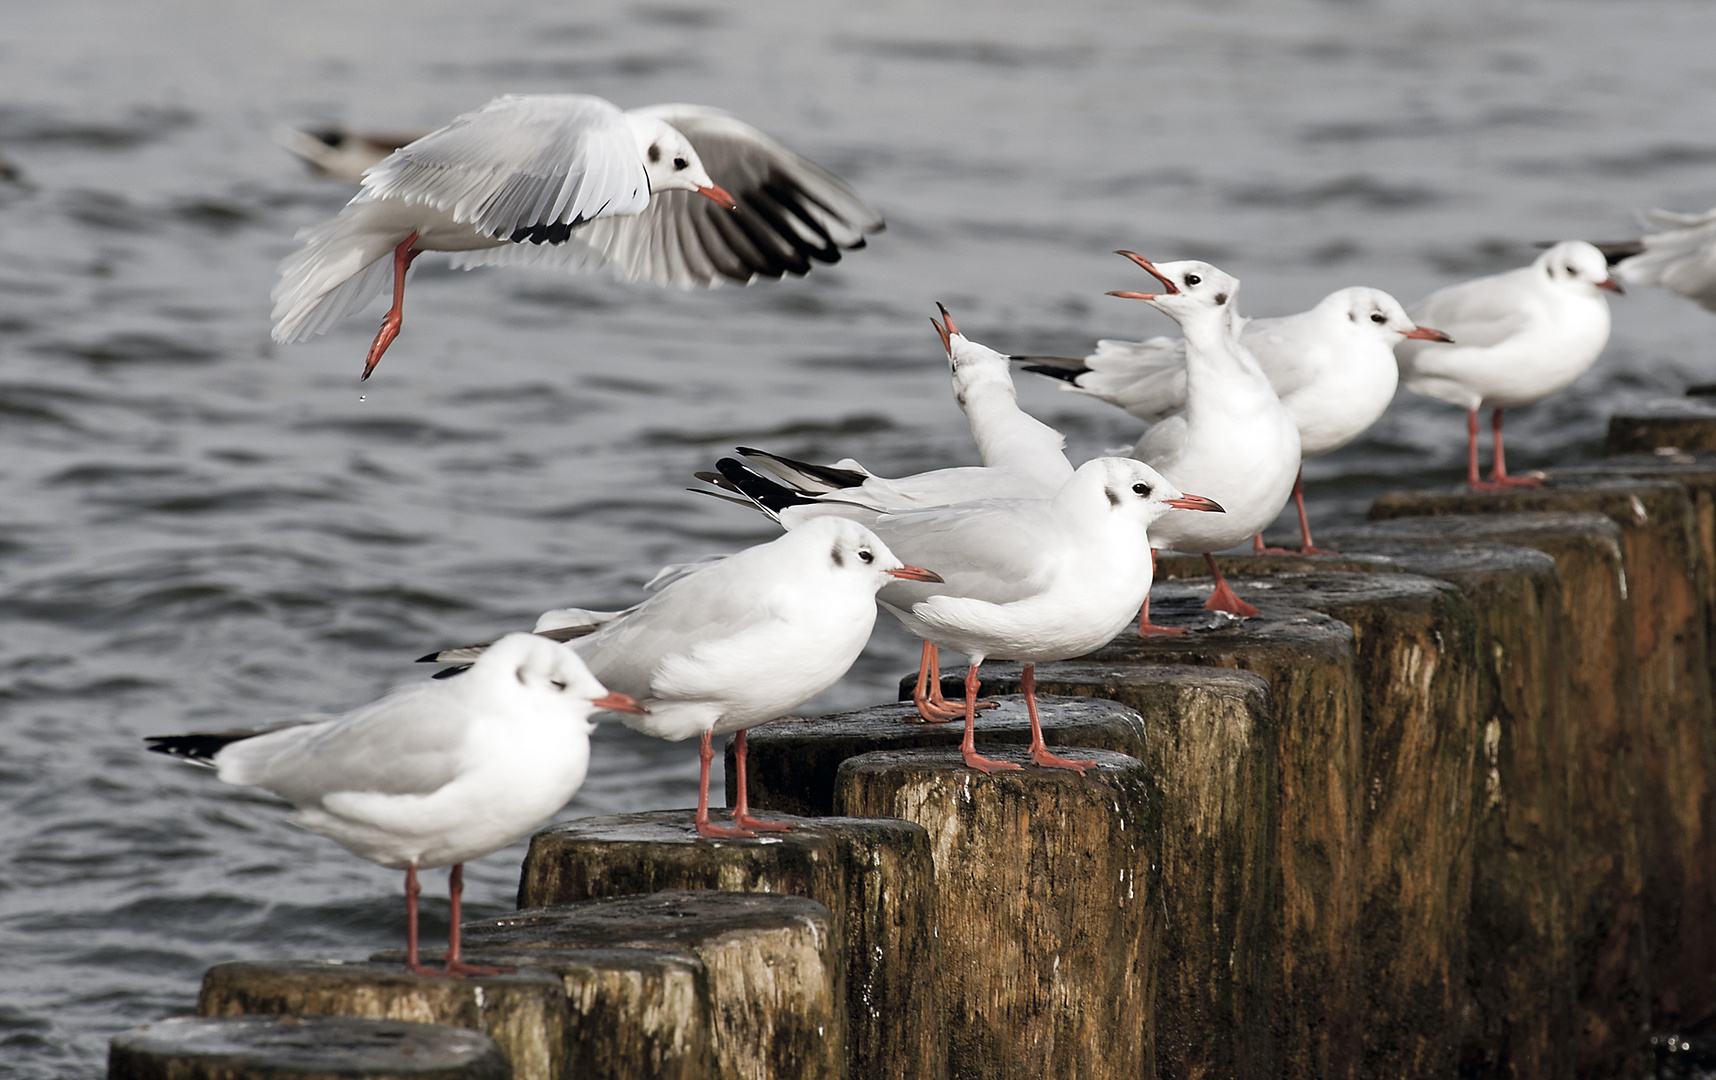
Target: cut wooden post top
{"x":793,"y":763}
{"x":1171,"y":566}
{"x":1629,"y":501}
{"x":1683,"y":423}
{"x":303,"y":1048}
{"x":678,"y":917}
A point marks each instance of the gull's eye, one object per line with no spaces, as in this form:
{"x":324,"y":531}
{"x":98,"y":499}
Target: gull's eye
{"x":1192,"y":279}
{"x":865,"y":555}
{"x":557,"y":684}
{"x":680,"y":163}
{"x":1141,"y":488}
{"x":1572,"y":271}
{"x":654,"y":153}
{"x":1378,"y":318}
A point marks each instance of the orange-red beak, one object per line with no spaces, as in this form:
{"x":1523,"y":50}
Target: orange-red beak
{"x":1424,"y":333}
{"x":1167,"y":285}
{"x":916,"y":573}
{"x":1612,"y":285}
{"x":1196,"y":502}
{"x":720,"y":197}
{"x":946,"y":331}
{"x":617,"y":702}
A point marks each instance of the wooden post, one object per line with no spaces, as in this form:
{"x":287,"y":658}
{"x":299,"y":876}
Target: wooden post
{"x":1308,"y":662}
{"x":1519,"y":954}
{"x":793,"y":764}
{"x":1173,"y":567}
{"x":1687,"y":424}
{"x":758,"y":978}
{"x":1211,"y":750}
{"x":1046,"y":905}
{"x":525,"y":1013}
{"x":294,"y":1048}
{"x":874,"y":875}
{"x":1604,"y":780}
{"x":1678,"y":749}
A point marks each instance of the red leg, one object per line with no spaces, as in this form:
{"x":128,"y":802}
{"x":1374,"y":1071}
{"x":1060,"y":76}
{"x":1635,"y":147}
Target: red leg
{"x":968,"y":746}
{"x":411,"y":960}
{"x":455,"y":897}
{"x":1305,"y":546}
{"x":742,"y":813}
{"x":1498,"y":473}
{"x":932,"y":707}
{"x":403,"y":256}
{"x":707,"y":752}
{"x":1039,"y":750}
{"x":1224,"y":598}
{"x":1473,"y":480}
{"x":1146,"y":628}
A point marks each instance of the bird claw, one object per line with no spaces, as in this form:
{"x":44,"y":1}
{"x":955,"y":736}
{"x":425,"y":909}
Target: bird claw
{"x":717,"y":832}
{"x":459,"y":968}
{"x":1225,"y":599}
{"x":1041,"y":756}
{"x":1150,"y":630}
{"x":383,"y":338}
{"x":1316,"y":551}
{"x":746,"y":821}
{"x":985,"y":765}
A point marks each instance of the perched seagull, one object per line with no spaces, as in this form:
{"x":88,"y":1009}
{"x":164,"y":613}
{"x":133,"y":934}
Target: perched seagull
{"x":340,"y":154}
{"x":1023,"y":579}
{"x":570,"y":180}
{"x":1682,"y":257}
{"x":1332,"y":367}
{"x":431,"y":775}
{"x":1235,"y":439}
{"x":1518,"y":338}
{"x":1023,"y":458}
{"x":734,"y":642}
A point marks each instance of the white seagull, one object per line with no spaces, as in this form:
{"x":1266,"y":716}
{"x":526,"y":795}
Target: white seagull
{"x":1022,"y":579}
{"x":1333,"y":368}
{"x":431,"y":775}
{"x":1023,"y":458}
{"x":733,"y":642}
{"x":570,"y":180}
{"x":1235,"y":439}
{"x":1682,"y":257}
{"x":340,"y":154}
{"x":1518,"y":338}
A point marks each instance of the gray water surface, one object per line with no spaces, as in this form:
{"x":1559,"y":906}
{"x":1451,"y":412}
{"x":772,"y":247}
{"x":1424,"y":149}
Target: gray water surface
{"x":200,"y":528}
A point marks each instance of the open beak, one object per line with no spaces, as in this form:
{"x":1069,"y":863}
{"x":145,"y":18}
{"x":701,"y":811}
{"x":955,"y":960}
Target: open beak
{"x":946,"y":331}
{"x":1612,"y":285}
{"x":617,"y":702}
{"x":1424,"y":333}
{"x":720,"y":197}
{"x":916,"y":573}
{"x":1167,"y":285}
{"x":1196,"y":502}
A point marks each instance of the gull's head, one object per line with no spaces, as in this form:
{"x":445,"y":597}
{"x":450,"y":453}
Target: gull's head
{"x":1189,"y":289}
{"x":972,"y":363}
{"x":1131,"y":489}
{"x":848,"y":551}
{"x":670,"y":162}
{"x":529,"y":664}
{"x":1576,"y":265}
{"x":1375,"y":314}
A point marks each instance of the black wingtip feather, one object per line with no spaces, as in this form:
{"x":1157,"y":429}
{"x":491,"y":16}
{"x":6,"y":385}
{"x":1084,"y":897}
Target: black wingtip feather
{"x":448,"y":673}
{"x":200,"y":747}
{"x":765,"y":492}
{"x":1063,"y":368}
{"x":828,"y":474}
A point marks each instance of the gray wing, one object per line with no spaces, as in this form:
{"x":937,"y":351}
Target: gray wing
{"x":998,"y":550}
{"x":793,"y":213}
{"x":405,"y":744}
{"x":524,"y":167}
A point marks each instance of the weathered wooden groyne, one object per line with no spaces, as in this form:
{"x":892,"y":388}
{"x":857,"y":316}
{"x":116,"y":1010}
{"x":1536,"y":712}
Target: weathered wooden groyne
{"x":1448,"y":806}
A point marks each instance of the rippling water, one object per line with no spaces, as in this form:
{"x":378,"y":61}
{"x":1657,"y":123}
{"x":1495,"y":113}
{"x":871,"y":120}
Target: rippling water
{"x":197,"y":527}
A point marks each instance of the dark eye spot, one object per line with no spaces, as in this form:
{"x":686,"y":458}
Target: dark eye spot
{"x":1572,"y":271}
{"x":1113,"y":496}
{"x":1141,"y":488}
{"x":1193,"y":279}
{"x":1378,"y":318}
{"x":1220,"y":298}
{"x":865,"y":556}
{"x":558,"y":684}
{"x":654,"y":153}
{"x":680,"y":163}
{"x":520,"y":674}
{"x":839,"y":559}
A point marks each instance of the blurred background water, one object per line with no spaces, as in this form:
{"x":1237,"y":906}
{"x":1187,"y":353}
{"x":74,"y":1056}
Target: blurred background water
{"x":199,"y":528}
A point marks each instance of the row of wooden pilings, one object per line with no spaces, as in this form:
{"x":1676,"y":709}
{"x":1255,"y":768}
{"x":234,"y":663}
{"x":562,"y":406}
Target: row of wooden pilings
{"x":1448,"y":806}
